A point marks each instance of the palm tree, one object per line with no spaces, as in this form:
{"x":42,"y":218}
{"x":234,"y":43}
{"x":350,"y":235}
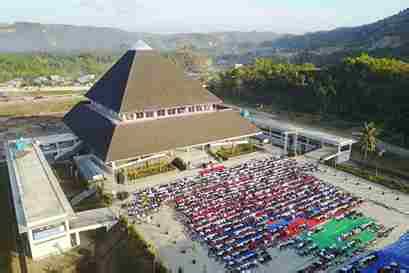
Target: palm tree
{"x":369,"y":141}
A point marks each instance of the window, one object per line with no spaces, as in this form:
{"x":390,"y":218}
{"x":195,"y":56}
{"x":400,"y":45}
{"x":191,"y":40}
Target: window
{"x":161,"y":113}
{"x":181,"y":110}
{"x":198,"y":108}
{"x":191,"y":109}
{"x":129,"y":116}
{"x":149,"y":114}
{"x":171,"y":111}
{"x":48,"y":231}
{"x":206,"y":107}
{"x":139,"y":115}
{"x":345,"y":148}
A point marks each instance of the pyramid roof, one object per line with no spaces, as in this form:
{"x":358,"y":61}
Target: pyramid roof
{"x":142,"y":79}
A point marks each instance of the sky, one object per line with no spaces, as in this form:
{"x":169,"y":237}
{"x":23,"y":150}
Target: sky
{"x":170,"y":16}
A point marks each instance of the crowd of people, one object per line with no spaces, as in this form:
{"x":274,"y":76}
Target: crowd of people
{"x":239,"y":212}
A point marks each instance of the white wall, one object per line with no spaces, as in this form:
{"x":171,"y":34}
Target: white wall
{"x":52,"y":247}
{"x":343,"y":156}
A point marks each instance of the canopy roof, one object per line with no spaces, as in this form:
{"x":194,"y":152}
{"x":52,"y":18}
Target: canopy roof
{"x":118,"y":141}
{"x":142,"y":79}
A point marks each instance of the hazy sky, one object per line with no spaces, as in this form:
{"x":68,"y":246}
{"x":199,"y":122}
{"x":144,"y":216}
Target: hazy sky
{"x":295,"y":16}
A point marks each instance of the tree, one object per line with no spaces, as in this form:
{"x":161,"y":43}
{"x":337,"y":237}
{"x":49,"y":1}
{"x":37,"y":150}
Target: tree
{"x":368,"y":141}
{"x":190,"y":59}
{"x":353,"y":90}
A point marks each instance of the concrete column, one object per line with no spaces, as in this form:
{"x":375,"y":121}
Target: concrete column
{"x":67,"y":228}
{"x":285,"y":143}
{"x":295,"y":142}
{"x":58,"y":148}
{"x":77,"y":238}
{"x":30,"y":238}
{"x":31,"y":245}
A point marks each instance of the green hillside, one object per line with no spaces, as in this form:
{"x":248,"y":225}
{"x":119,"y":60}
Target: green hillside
{"x":358,"y":89}
{"x":29,"y":66}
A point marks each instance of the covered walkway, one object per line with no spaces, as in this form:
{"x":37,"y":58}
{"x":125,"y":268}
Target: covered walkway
{"x":92,"y":219}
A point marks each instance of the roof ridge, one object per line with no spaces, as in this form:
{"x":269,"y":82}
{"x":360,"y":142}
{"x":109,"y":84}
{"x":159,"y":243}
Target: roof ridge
{"x":141,"y":45}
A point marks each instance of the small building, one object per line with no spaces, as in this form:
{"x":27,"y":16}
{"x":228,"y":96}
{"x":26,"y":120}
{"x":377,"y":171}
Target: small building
{"x":56,"y":79}
{"x":296,"y":140}
{"x":41,"y":80}
{"x":16,"y":83}
{"x":86,"y":79}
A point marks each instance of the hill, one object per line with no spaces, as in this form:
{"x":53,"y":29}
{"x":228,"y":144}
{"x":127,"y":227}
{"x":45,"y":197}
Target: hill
{"x":387,"y":37}
{"x":391,"y":32}
{"x":34,"y":37}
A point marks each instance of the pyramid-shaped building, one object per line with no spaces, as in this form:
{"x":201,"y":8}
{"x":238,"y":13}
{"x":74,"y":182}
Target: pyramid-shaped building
{"x":145,"y":105}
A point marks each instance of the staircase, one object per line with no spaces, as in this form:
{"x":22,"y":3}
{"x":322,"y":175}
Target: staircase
{"x":68,"y":154}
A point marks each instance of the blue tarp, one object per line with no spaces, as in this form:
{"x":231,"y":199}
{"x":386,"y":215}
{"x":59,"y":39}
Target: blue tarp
{"x":279,"y":224}
{"x":395,"y":253}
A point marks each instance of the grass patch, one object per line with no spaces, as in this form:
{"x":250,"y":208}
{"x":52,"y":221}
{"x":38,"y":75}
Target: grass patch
{"x":38,"y":107}
{"x":381,"y":180}
{"x":228,"y":152}
{"x":388,"y":163}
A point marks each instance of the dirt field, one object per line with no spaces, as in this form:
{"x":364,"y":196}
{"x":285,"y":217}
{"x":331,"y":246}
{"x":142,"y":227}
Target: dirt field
{"x":78,"y":260}
{"x":38,"y":107}
{"x":42,"y":93}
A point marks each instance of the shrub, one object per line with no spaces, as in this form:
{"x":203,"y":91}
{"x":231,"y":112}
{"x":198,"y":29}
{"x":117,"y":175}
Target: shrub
{"x":215,"y":156}
{"x":133,"y":173}
{"x":226,"y":153}
{"x":179,"y":163}
{"x":381,"y":180}
{"x":120,"y":177}
{"x":107,"y":198}
{"x":122,"y":195}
